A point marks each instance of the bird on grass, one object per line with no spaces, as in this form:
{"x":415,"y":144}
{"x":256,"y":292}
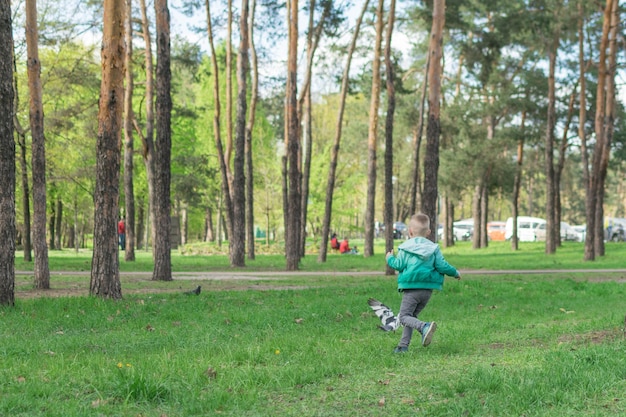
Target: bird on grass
{"x":194,"y":292}
{"x":389,"y":320}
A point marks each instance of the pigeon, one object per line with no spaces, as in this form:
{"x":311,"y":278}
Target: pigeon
{"x":389,"y":321}
{"x":194,"y":292}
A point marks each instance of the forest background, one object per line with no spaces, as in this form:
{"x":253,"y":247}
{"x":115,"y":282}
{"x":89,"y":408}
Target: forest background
{"x":495,"y":104}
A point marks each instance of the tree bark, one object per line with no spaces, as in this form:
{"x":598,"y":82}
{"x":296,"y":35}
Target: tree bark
{"x":254,"y":93}
{"x":129,"y":192}
{"x":226,"y":193}
{"x":42,"y":271}
{"x":595,"y":224}
{"x":148,"y":139}
{"x":589,"y":253}
{"x":105,"y":275}
{"x":163,"y":147}
{"x":549,"y":148}
{"x":517,"y":182}
{"x":391,"y":108}
{"x":431,"y":159}
{"x":292,"y":227}
{"x":238,"y":248}
{"x":334,"y":152}
{"x":7,"y":159}
{"x":372,"y":139}
{"x":416,"y":189}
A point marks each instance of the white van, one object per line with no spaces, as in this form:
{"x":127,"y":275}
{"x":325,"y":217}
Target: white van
{"x":525,"y":228}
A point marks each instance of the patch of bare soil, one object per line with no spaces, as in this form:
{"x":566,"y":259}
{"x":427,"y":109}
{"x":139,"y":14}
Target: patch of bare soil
{"x":595,"y":337}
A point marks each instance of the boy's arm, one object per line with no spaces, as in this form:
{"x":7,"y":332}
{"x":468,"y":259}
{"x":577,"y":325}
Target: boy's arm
{"x":442,"y":266}
{"x":394,"y":262}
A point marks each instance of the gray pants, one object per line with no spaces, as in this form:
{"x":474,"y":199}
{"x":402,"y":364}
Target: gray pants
{"x":413,"y":302}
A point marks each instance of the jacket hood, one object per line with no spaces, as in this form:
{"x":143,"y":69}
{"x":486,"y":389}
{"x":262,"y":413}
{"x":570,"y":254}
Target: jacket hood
{"x":420,"y":246}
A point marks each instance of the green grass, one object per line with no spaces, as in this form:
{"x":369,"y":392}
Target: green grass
{"x":297,"y":345}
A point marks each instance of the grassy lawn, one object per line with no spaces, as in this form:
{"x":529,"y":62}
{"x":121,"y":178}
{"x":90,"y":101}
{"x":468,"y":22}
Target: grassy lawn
{"x":304,"y":345}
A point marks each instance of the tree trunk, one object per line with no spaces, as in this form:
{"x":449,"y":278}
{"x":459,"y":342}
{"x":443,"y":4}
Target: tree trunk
{"x":292,"y":227}
{"x":561,"y":165}
{"x":58,"y":224}
{"x":582,"y":118}
{"x":391,"y":108}
{"x":334,"y":153}
{"x":416,"y":190}
{"x":229,"y":100}
{"x":224,"y":170}
{"x":431,"y":160}
{"x":372,"y":139}
{"x":42,"y":271}
{"x":148,"y":139}
{"x":249,"y":127}
{"x":314,"y":33}
{"x":163,"y":147}
{"x":21,"y":139}
{"x":7,"y":159}
{"x":517,"y":182}
{"x":105,"y":275}
{"x":549,"y":149}
{"x":238,"y":248}
{"x":129,"y":192}
{"x":607,"y":126}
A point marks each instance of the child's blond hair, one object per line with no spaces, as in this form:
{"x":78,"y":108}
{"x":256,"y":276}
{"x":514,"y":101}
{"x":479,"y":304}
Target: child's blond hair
{"x":419,"y":225}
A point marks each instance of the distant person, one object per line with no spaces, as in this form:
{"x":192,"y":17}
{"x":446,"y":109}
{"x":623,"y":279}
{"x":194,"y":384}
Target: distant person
{"x":334,"y":242}
{"x":344,"y":247}
{"x":377,"y":228}
{"x":121,"y":233}
{"x":422,"y":268}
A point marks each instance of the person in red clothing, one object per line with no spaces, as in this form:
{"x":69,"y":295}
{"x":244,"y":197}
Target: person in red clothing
{"x":334,"y":242}
{"x":344,"y":247}
{"x":121,"y":233}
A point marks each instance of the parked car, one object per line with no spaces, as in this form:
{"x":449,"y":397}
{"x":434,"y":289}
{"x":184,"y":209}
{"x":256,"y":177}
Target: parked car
{"x":462,"y":230}
{"x":567,"y":233}
{"x":496,"y":230}
{"x":581,"y":232}
{"x":526,"y":227}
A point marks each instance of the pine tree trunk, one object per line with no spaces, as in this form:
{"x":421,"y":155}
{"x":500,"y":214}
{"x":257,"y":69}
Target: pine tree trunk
{"x":42,"y":271}
{"x":163,"y":147}
{"x":292,"y":226}
{"x":372,"y":140}
{"x":391,"y":108}
{"x":549,"y":150}
{"x":238,"y":248}
{"x":129,"y":192}
{"x":250,"y":237}
{"x":431,"y":159}
{"x":7,"y":159}
{"x":105,"y":275}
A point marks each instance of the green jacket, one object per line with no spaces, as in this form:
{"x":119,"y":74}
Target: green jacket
{"x":421,"y":265}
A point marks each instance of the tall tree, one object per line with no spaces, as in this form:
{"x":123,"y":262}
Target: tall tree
{"x":7,"y":160}
{"x":254,"y":93}
{"x":391,"y":108}
{"x":582,"y":116}
{"x":105,"y":274}
{"x":549,"y":144}
{"x":21,"y":141}
{"x":334,"y":153}
{"x":372,"y":140}
{"x":42,"y":269}
{"x":226,"y":193}
{"x":594,"y":214}
{"x":291,"y":162}
{"x":239,"y":180}
{"x":129,"y":192}
{"x":433,"y":131}
{"x":148,"y":138}
{"x":163,"y":146}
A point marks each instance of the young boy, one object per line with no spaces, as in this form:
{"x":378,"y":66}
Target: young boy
{"x":422,"y":268}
